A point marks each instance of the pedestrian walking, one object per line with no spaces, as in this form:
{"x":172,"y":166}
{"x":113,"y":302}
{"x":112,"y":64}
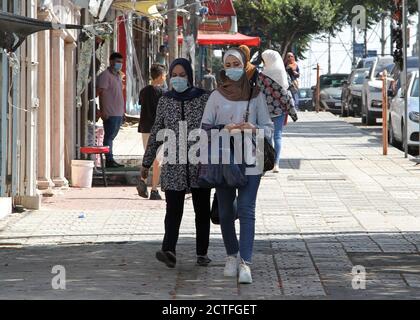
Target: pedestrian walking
{"x":250,"y":69}
{"x":111,"y":102}
{"x":273,"y":82}
{"x":149,"y":99}
{"x":292,"y":69}
{"x":227,"y":107}
{"x":209,"y":82}
{"x":184,"y":103}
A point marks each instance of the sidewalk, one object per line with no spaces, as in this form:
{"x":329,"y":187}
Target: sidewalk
{"x":337,"y":203}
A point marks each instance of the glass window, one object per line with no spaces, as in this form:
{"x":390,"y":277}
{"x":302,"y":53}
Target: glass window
{"x":413,"y":63}
{"x":359,"y":77}
{"x":415,"y":89}
{"x":305,"y":93}
{"x":333,"y":81}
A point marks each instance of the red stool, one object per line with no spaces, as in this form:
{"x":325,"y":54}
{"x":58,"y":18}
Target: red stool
{"x":101,"y":151}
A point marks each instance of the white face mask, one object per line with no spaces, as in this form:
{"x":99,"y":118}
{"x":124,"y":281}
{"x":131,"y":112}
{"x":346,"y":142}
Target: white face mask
{"x":234,"y":73}
{"x":179,"y":84}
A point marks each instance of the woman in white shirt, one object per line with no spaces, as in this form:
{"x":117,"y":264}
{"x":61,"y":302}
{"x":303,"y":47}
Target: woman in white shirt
{"x":227,"y":108}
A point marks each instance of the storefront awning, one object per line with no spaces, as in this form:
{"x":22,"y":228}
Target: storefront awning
{"x":225,"y":39}
{"x":14,"y":29}
{"x":146,"y":8}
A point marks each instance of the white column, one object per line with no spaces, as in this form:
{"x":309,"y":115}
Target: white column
{"x":69,"y":105}
{"x":57,"y":111}
{"x":44,"y":115}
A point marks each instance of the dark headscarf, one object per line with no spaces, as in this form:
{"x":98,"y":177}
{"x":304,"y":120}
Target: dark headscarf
{"x":192,"y":92}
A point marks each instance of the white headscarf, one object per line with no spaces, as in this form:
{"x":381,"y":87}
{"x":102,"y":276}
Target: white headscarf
{"x":274,"y":68}
{"x":236,"y":53}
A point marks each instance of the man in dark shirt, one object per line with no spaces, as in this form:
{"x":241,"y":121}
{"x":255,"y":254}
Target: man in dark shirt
{"x":149,"y":99}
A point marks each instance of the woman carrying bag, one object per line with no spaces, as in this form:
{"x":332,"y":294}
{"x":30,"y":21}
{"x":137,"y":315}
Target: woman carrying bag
{"x":183,"y":103}
{"x":227,"y":107}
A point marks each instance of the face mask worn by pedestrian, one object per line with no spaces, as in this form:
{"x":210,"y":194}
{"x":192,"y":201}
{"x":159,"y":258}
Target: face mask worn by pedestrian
{"x":179,"y":84}
{"x":118,"y":67}
{"x":235,"y":73}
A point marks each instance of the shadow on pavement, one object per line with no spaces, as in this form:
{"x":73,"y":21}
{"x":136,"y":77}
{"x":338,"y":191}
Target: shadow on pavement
{"x":288,"y":266}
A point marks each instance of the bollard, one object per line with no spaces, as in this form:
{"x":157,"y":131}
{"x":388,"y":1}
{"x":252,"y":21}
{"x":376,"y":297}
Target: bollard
{"x":385,"y":113}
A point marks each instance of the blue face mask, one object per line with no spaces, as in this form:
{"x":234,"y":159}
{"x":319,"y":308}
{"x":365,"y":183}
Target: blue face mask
{"x":179,"y":84}
{"x":235,"y":73}
{"x":118,"y":67}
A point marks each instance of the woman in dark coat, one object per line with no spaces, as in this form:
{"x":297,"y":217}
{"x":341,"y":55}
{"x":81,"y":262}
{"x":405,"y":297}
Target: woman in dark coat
{"x":183,"y":103}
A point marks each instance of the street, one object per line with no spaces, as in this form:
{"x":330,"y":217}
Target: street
{"x":338,"y":210}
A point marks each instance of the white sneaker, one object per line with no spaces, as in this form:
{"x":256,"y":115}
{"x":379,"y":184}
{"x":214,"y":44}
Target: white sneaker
{"x":244,"y":273}
{"x":276,"y":169}
{"x":231,"y":267}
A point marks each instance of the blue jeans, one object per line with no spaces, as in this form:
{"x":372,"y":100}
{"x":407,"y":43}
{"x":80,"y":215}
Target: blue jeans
{"x":246,"y":202}
{"x":296,"y":98}
{"x":278,"y":132}
{"x":111,"y":128}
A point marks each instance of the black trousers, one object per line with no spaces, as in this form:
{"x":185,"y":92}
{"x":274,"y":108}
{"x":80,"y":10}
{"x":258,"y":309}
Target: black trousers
{"x":174,"y":211}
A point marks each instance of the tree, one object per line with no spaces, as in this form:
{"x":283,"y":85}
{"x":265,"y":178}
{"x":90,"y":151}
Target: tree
{"x":285,"y":24}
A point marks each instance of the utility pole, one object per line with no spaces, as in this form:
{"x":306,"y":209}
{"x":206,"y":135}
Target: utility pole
{"x":190,"y":33}
{"x":418,"y":53}
{"x":329,"y":54}
{"x":383,"y":39}
{"x":354,"y":47}
{"x":318,"y":88}
{"x":404,"y":82}
{"x":366,"y":42}
{"x":172,"y":30}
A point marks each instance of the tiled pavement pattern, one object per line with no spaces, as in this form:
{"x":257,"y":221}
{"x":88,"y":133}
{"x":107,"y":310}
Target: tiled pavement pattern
{"x":337,"y":203}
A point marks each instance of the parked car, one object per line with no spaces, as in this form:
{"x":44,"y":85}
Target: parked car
{"x":351,"y":97}
{"x":397,"y":119}
{"x":305,"y":99}
{"x":366,"y":63}
{"x":372,"y":90}
{"x":412,"y":65}
{"x":331,"y":86}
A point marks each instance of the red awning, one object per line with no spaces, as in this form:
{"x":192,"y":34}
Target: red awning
{"x":236,"y":39}
{"x":220,"y":8}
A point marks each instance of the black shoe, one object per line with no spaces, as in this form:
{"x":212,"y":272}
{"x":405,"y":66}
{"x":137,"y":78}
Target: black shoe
{"x":203,"y":261}
{"x":142,"y":189}
{"x":167,"y":258}
{"x":154,"y":195}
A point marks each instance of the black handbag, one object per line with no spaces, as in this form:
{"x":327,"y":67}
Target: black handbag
{"x":221,"y":175}
{"x":269,"y":151}
{"x":214,"y":214}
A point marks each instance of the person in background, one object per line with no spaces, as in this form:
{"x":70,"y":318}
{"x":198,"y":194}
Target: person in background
{"x":273,"y":82}
{"x":250,"y":69}
{"x":292,"y":69}
{"x":111,"y":103}
{"x":209,"y":82}
{"x":183,"y":103}
{"x":149,"y":98}
{"x":227,"y":107}
{"x":162,"y":56}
